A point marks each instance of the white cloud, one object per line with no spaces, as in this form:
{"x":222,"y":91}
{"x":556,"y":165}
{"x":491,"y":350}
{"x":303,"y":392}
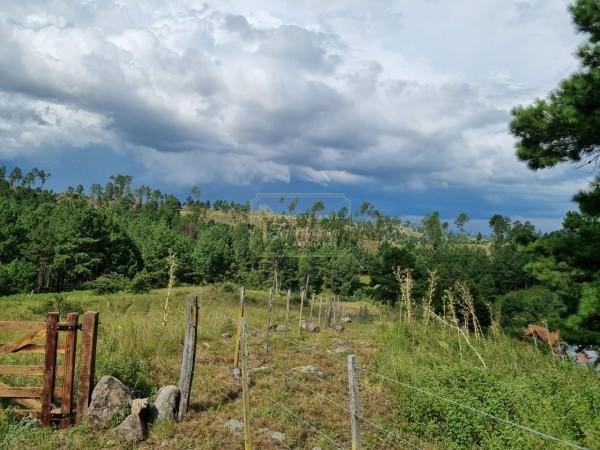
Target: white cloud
{"x":405,"y":95}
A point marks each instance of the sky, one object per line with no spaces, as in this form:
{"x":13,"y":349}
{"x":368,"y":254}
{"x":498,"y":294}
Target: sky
{"x":402,"y":103}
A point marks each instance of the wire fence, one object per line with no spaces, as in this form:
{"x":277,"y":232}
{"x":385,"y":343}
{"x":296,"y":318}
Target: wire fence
{"x":389,"y":433}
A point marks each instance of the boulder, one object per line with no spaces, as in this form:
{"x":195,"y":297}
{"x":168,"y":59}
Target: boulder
{"x":339,"y":328}
{"x":110,"y":396}
{"x":167,"y":403}
{"x":281,"y":328}
{"x":135,"y":426}
{"x":346,"y":320}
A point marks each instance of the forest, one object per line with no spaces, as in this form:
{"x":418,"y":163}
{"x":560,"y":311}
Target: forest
{"x":116,"y":237}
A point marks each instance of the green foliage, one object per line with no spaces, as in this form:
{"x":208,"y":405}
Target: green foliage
{"x":536,"y":305}
{"x":521,"y":384}
{"x":141,"y":283}
{"x":109,"y":284}
{"x":128,"y":368}
{"x":56,"y":304}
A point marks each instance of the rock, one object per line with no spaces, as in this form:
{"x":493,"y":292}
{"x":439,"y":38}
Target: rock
{"x":133,"y":428}
{"x":226,"y":335}
{"x":346,"y":320}
{"x":311,"y":327}
{"x":261,"y":369}
{"x":309,"y":370}
{"x":235,"y":427}
{"x":236,"y":373}
{"x":281,"y":328}
{"x":275,"y":435}
{"x":167,"y":403}
{"x":339,"y":328}
{"x":110,"y":396}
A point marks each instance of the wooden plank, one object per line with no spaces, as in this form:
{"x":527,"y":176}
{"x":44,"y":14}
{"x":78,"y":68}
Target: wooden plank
{"x":26,"y":402}
{"x":21,"y":325}
{"x":27,"y":371}
{"x":39,"y":348}
{"x":15,"y":346}
{"x":49,"y":367}
{"x":20,"y":392}
{"x":87,"y":363}
{"x":188,"y":358}
{"x":66,"y":406}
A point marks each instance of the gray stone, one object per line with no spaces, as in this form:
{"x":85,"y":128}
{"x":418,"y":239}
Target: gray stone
{"x":109,"y":397}
{"x":133,"y":428}
{"x":277,"y":436}
{"x":309,"y":370}
{"x":235,"y":427}
{"x":281,"y":328}
{"x":311,"y":327}
{"x":346,"y":320}
{"x":167,"y":403}
{"x":339,"y":328}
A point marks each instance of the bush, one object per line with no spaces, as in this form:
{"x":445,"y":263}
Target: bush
{"x":58,"y":303}
{"x":135,"y":373}
{"x":141,"y":283}
{"x":109,"y":284}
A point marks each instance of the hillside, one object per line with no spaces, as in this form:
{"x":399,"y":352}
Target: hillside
{"x":519,"y":382}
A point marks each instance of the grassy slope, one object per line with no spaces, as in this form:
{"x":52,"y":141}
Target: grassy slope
{"x":520,"y":382}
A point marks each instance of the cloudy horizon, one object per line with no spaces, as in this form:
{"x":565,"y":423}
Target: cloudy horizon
{"x":404,"y":104}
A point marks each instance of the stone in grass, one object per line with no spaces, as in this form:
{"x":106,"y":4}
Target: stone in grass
{"x":109,"y":397}
{"x":281,"y":328}
{"x":346,"y":320}
{"x":135,"y":426}
{"x":235,"y":427}
{"x":167,"y":403}
{"x":310,"y":370}
{"x":339,"y":328}
{"x":275,"y":435}
{"x":311,"y":327}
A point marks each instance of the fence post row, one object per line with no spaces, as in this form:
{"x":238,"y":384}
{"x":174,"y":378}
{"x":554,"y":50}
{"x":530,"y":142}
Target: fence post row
{"x":188,"y":358}
{"x":354,"y":401}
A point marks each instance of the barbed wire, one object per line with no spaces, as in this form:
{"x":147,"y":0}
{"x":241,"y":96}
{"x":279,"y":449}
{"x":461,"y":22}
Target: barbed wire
{"x":442,"y":398}
{"x":290,"y":412}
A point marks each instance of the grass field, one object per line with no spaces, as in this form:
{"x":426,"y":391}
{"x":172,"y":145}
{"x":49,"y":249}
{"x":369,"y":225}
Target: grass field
{"x":520,"y":382}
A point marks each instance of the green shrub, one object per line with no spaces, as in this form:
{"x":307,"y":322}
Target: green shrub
{"x":109,"y":284}
{"x":57,"y":304}
{"x":141,"y":283}
{"x":134,"y":372}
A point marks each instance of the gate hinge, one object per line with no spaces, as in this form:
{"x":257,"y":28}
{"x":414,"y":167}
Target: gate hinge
{"x":67,"y":327}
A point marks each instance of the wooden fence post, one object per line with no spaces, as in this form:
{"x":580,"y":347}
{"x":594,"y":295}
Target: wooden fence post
{"x":66,"y":407}
{"x":312,"y":301}
{"x":333,"y":307}
{"x":354,"y":402}
{"x":188,"y":358}
{"x":269,"y":320}
{"x":287,"y":309}
{"x":49,"y":367}
{"x":301,"y":307}
{"x":320,"y":307}
{"x":236,"y":352}
{"x":245,"y":385}
{"x":87,"y":363}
